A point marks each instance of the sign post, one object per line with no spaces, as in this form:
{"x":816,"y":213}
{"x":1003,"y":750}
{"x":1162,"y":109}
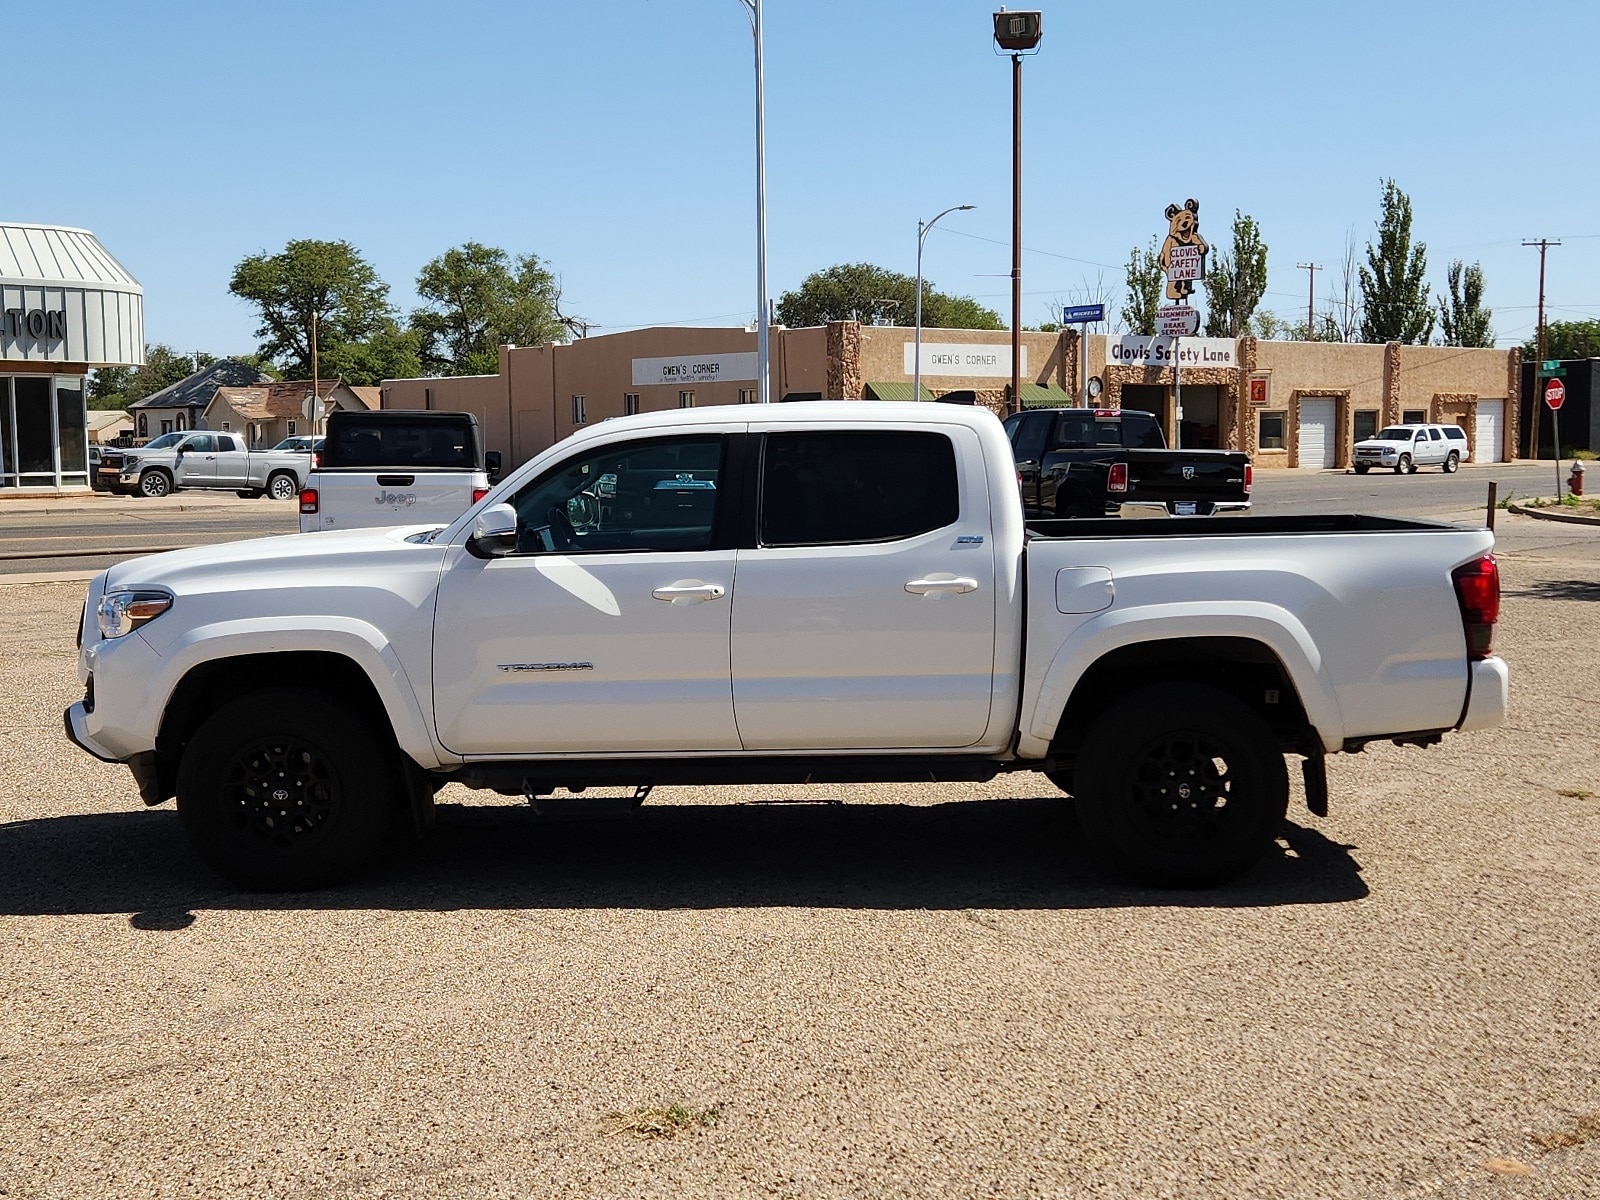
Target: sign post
{"x":1083,"y":315}
{"x":1555,"y":395}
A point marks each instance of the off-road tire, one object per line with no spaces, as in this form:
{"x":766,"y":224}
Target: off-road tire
{"x":288,"y":789}
{"x":1181,"y":785}
{"x":282,"y":486}
{"x":155,"y":484}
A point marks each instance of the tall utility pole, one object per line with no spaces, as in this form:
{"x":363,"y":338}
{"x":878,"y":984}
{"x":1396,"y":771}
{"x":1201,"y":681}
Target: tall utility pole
{"x":1533,"y":425}
{"x":763,"y":307}
{"x":1311,"y":270}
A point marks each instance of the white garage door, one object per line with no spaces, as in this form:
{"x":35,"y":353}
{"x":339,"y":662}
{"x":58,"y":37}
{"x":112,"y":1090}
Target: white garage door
{"x":1489,"y":431}
{"x":1316,"y":434}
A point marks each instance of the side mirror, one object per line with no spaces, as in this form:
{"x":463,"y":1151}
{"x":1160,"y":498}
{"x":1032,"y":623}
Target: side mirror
{"x":494,"y":532}
{"x":491,"y":465}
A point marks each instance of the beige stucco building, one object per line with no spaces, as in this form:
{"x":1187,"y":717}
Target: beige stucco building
{"x":1289,"y":404}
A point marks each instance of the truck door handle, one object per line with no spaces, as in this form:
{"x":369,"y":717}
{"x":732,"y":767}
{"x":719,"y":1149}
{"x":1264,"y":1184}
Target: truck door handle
{"x":948,"y":585}
{"x":690,"y":591}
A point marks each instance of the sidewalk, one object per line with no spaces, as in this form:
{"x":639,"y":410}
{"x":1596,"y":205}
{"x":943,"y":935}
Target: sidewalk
{"x":13,"y":501}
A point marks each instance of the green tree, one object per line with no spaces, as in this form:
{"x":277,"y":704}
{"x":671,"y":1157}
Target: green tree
{"x":479,"y":298}
{"x":1237,"y":280}
{"x":1565,"y":339}
{"x":862,"y":291}
{"x":1144,"y":291}
{"x":389,"y":353}
{"x":1394,"y":295}
{"x":1462,"y":318}
{"x":331,"y":284}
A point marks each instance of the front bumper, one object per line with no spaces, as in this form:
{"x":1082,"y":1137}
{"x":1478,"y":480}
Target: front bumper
{"x":1488,"y":695}
{"x":76,"y":720}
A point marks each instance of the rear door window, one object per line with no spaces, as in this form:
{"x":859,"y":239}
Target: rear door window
{"x":1031,"y":439}
{"x":834,"y":488}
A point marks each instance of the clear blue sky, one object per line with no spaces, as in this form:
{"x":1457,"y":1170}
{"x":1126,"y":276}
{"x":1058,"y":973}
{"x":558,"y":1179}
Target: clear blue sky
{"x":616,"y":142}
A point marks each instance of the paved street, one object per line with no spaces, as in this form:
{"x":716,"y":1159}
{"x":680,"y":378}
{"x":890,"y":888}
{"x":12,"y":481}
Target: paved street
{"x":919,"y":991}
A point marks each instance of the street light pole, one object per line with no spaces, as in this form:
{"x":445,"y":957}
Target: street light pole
{"x":763,"y":317}
{"x":1016,"y":33}
{"x":922,"y":234}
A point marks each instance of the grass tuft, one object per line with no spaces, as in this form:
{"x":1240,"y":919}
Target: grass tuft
{"x":1585,"y":1129}
{"x":663,"y":1123}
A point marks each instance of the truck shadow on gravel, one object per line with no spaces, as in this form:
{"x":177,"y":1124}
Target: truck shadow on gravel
{"x":1002,"y":854}
{"x":1559,"y":589}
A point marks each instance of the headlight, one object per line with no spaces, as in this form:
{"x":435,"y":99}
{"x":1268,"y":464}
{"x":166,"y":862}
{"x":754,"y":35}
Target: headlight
{"x":120,"y":613}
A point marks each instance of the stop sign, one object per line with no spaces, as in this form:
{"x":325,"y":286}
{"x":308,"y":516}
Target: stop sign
{"x":1554,"y":393}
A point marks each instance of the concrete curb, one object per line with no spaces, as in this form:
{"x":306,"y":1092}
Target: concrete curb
{"x":96,"y":552}
{"x":32,"y":579}
{"x":1551,"y":514}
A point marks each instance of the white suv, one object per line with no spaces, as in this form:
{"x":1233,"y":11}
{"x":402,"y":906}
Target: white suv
{"x":1404,"y":448}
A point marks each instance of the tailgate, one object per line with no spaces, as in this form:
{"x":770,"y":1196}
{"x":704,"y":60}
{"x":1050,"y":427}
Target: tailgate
{"x":354,"y":499}
{"x":1209,"y":476}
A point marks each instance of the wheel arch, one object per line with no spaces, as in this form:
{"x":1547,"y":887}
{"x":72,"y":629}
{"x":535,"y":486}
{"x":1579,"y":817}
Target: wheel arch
{"x":1253,"y":657}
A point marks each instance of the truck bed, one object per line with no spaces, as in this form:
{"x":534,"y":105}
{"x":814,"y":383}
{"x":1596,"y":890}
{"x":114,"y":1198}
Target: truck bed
{"x":1234,"y":527}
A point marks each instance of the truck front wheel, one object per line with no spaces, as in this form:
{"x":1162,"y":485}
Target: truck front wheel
{"x":287,"y":789}
{"x":1181,"y":785}
{"x":155,"y":483}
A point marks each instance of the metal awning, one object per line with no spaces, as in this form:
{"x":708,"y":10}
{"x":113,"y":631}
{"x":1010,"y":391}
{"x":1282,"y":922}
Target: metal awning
{"x":895,"y":391}
{"x":1038,"y":395}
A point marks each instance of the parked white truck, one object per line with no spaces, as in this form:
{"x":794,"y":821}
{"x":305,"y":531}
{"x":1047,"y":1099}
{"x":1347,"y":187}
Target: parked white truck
{"x":809,"y":592}
{"x":218,"y":461}
{"x":395,"y":467}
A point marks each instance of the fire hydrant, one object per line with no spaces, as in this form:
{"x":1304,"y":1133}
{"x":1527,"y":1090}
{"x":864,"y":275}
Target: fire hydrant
{"x":1575,"y":480}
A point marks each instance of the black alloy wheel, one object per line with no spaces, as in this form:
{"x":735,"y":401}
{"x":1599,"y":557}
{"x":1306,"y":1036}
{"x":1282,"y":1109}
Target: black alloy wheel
{"x":1182,"y":785}
{"x":287,"y":789}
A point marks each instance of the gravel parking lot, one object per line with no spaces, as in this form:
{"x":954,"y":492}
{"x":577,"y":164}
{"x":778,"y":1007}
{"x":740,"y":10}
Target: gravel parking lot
{"x":835,"y":992}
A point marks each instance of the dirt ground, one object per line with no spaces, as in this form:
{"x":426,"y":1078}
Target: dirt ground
{"x":824,"y":992}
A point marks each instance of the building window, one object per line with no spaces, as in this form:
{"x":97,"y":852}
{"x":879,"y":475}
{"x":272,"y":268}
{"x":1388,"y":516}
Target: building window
{"x":630,"y":403}
{"x":144,"y":425}
{"x":1414,"y":416}
{"x":747,"y":395}
{"x":1366,"y":424}
{"x":181,"y":424}
{"x":291,"y":428}
{"x":1270,"y":435}
{"x":578,"y":415}
{"x":226,"y":426}
{"x":685,"y":399}
{"x":166,"y":427}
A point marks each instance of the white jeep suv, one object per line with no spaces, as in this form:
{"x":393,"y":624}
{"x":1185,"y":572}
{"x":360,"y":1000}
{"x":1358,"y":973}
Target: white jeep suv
{"x":1404,"y":448}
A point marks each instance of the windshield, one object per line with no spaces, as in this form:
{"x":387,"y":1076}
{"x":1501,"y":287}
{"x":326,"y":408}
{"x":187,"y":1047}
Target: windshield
{"x":164,"y":441}
{"x":1395,"y":433}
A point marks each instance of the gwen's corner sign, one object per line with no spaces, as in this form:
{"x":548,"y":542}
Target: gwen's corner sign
{"x":1136,"y":351}
{"x":960,"y":359}
{"x":690,"y":369}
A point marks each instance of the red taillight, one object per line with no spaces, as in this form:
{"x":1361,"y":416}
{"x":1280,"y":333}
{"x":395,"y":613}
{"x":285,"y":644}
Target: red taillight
{"x":479,"y":494}
{"x":1478,"y":594}
{"x":308,"y":500}
{"x":1117,"y":480}
{"x":1249,"y":478}
{"x":316,"y":460}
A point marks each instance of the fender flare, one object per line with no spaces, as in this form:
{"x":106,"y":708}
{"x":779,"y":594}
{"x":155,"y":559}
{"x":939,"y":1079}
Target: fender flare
{"x":1276,"y":628}
{"x":360,"y":642}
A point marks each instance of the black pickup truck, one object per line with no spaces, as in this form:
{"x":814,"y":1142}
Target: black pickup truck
{"x":1091,"y":462}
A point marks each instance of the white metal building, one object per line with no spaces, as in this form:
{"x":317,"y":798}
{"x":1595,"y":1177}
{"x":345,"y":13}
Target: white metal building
{"x":66,"y":307}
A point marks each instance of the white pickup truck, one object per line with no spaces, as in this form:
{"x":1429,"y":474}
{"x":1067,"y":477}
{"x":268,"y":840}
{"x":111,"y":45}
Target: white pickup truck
{"x":810,"y":592}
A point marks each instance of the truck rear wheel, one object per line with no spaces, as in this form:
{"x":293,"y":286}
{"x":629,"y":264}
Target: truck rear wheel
{"x":287,"y":789}
{"x":1181,"y":785}
{"x":282,"y":486}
